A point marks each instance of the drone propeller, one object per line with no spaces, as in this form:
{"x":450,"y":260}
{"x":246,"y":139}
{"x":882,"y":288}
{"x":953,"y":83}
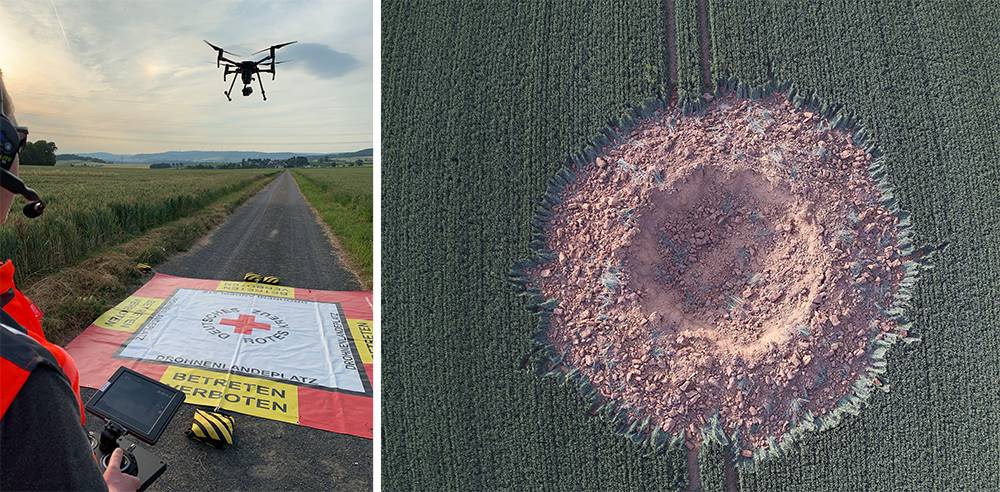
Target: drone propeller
{"x":272,"y":48}
{"x":221,"y":58}
{"x":218,"y":48}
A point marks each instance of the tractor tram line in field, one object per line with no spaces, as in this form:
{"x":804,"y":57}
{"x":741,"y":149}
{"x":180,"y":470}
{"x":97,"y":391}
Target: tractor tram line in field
{"x":671,"y":43}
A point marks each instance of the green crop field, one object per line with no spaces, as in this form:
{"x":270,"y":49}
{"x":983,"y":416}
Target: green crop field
{"x":92,"y":208}
{"x":483,"y":104}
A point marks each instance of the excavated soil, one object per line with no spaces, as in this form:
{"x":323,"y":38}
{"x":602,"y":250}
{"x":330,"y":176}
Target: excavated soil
{"x":736,"y":260}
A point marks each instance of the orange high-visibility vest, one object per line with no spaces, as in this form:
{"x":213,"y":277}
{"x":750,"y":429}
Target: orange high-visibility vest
{"x":25,"y":345}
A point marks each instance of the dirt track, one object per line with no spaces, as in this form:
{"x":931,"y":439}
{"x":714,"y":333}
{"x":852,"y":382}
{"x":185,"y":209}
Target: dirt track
{"x":276,"y":234}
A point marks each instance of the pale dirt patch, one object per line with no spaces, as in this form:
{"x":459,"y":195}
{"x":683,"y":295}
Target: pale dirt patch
{"x":734,"y":261}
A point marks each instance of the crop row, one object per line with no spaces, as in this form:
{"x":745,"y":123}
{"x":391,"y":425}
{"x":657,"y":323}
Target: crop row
{"x":689,"y":74}
{"x":344,"y":199}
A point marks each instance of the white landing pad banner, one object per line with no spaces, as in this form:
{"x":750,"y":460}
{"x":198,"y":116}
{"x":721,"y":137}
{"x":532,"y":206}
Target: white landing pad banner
{"x":290,"y":340}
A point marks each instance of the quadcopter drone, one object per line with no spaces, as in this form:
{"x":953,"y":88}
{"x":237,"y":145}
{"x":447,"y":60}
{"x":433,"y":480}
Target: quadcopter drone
{"x":247,"y":69}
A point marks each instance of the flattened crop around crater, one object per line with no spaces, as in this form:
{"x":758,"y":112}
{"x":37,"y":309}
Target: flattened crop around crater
{"x":739,"y":261}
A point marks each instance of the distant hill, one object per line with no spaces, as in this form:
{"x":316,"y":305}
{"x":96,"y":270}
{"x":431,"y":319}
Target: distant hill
{"x":104,"y":156}
{"x":211,"y":157}
{"x":74,"y":157}
{"x":360,"y":153}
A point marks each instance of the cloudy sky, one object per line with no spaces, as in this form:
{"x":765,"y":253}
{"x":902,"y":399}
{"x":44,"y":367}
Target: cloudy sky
{"x":135,"y":76}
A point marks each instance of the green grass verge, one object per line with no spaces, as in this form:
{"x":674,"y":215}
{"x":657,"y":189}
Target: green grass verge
{"x":344,"y":198}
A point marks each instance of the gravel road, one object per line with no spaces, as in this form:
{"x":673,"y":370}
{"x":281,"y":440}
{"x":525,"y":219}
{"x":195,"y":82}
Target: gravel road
{"x":274,"y":234}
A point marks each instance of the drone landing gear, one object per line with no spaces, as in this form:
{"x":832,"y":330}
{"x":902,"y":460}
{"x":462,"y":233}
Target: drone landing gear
{"x":230,"y":89}
{"x":247,"y":90}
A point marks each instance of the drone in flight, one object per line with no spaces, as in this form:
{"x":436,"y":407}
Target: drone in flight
{"x":247,"y":69}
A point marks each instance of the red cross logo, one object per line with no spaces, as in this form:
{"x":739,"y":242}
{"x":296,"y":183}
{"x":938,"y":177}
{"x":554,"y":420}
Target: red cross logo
{"x":245,"y":325}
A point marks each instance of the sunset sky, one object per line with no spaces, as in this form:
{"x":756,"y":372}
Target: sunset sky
{"x":130,"y":77}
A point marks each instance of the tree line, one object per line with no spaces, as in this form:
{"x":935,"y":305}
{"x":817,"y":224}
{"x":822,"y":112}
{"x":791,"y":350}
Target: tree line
{"x":74,"y":157}
{"x":40,"y":153}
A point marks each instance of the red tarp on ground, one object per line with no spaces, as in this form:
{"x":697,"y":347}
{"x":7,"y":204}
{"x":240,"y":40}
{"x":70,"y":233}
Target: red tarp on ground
{"x":295,"y":355}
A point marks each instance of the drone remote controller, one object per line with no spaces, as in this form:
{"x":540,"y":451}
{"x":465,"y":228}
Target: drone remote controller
{"x":136,"y":461}
{"x":131,"y":403}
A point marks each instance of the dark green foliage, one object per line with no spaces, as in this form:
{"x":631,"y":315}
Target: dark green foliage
{"x":715,"y":447}
{"x":40,"y":153}
{"x":689,"y":83}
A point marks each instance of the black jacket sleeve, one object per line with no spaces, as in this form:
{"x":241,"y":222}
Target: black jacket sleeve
{"x":42,"y":444}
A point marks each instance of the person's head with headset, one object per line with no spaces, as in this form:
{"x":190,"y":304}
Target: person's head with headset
{"x":7,"y":197}
{"x":13,"y":138}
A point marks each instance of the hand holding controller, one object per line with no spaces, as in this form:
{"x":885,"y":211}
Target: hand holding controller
{"x":136,"y":467}
{"x":126,"y":476}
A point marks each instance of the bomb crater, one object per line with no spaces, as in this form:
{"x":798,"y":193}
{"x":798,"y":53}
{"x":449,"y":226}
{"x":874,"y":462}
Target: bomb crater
{"x":737,"y":261}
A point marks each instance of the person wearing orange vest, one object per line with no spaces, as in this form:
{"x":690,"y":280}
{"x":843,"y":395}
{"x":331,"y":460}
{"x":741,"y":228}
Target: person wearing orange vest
{"x":43,"y":445}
